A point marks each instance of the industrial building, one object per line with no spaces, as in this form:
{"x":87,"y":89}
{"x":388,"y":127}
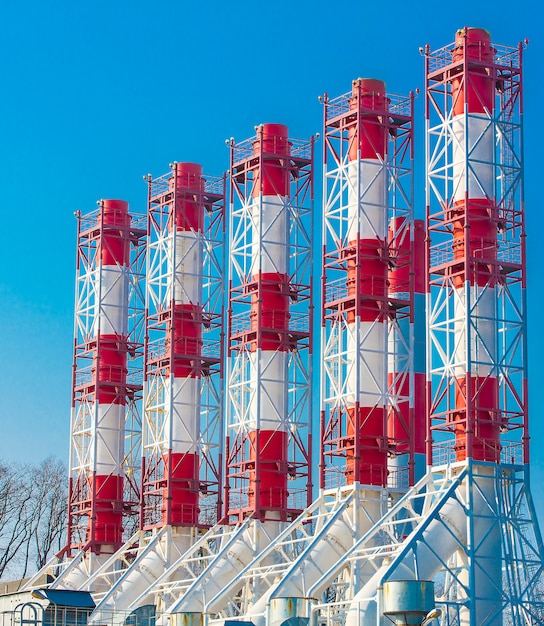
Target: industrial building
{"x":211,"y":333}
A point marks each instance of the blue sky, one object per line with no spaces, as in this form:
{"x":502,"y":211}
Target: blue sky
{"x":97,"y":94}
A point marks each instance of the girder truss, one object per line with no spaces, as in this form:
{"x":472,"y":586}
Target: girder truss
{"x":287,"y":555}
{"x":342,"y":128}
{"x":89,"y":310}
{"x":181,"y":570}
{"x":160,"y":283}
{"x":401,"y":543}
{"x":248,"y":242}
{"x":450,"y":307}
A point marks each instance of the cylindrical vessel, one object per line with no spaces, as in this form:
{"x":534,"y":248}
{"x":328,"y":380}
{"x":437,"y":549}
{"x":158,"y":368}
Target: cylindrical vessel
{"x":407,"y":601}
{"x":184,"y":346}
{"x":406,"y":280}
{"x":110,"y":372}
{"x":475,"y":241}
{"x":474,"y":222}
{"x":269,"y":316}
{"x":367,"y":285}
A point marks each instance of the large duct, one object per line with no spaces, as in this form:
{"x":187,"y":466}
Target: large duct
{"x":447,"y":533}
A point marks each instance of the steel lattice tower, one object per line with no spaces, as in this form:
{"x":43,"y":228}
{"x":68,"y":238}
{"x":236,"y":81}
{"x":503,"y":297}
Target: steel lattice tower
{"x":477,"y":358}
{"x":182,"y":432}
{"x":368,"y":287}
{"x":105,"y":425}
{"x":477,"y":254}
{"x":270,"y":282}
{"x":468,"y":527}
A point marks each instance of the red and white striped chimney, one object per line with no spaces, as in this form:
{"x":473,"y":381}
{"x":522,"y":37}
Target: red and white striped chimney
{"x":110,"y":371}
{"x":270,"y":321}
{"x":407,"y":423}
{"x":474,"y":222}
{"x":184,"y":345}
{"x":367,"y":284}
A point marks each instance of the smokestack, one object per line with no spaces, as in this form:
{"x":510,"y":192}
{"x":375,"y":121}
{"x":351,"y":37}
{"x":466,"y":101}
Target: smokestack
{"x":406,"y":287}
{"x":474,"y":220}
{"x":100,"y":391}
{"x":367,"y":285}
{"x":183,"y":347}
{"x":269,"y":252}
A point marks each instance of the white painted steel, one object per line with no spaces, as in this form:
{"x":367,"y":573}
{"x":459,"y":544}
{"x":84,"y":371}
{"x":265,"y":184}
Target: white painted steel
{"x":226,"y":567}
{"x":476,"y":176}
{"x":184,"y":253}
{"x":367,"y":200}
{"x":328,"y":545}
{"x":269,"y":369}
{"x":365,"y":356}
{"x":267,"y":381}
{"x":107,"y":455}
{"x":182,"y":418}
{"x":366,"y":340}
{"x":111,"y":313}
{"x":76,"y":575}
{"x":436,"y":546}
{"x":272,"y":564}
{"x":480,"y":325}
{"x":270,"y":235}
{"x":151,"y":561}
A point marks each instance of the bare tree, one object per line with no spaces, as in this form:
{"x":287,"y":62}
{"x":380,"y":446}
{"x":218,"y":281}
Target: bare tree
{"x":33,"y":515}
{"x":16,"y":495}
{"x":50,"y":519}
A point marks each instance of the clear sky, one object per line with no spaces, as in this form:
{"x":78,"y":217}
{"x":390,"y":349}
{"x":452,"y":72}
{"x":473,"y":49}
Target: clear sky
{"x":96,"y":94}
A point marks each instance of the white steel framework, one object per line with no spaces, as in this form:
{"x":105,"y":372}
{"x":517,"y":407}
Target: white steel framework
{"x":101,"y":302}
{"x":125,"y":584}
{"x":459,"y":318}
{"x":429,"y":534}
{"x":274,"y":581}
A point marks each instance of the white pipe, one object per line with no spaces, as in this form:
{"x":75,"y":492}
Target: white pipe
{"x":477,"y":181}
{"x":110,"y":309}
{"x":436,"y":545}
{"x":367,"y":200}
{"x":76,"y":575}
{"x":326,"y":548}
{"x":270,"y":236}
{"x":226,"y":567}
{"x":184,"y":253}
{"x":141,"y":575}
